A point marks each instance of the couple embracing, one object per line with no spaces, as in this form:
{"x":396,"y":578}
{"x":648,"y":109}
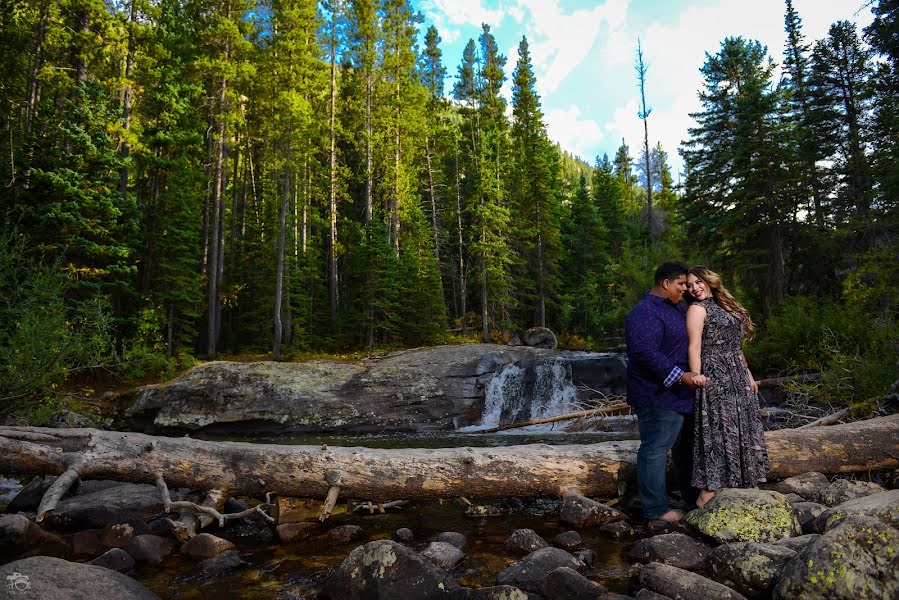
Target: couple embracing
{"x":692,"y":390}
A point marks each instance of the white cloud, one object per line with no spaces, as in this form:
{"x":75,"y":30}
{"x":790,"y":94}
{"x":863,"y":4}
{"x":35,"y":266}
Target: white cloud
{"x":575,"y":133}
{"x":462,"y":12}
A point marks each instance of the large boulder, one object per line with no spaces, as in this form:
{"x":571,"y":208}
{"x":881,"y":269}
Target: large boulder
{"x":675,"y":549}
{"x":748,"y":567}
{"x":567,"y":584}
{"x":738,"y":515}
{"x":425,"y":389}
{"x":387,"y":570}
{"x":528,"y":573}
{"x":884,"y":506}
{"x":51,"y":578}
{"x":20,"y":537}
{"x":805,"y":485}
{"x":681,"y":584}
{"x":444,"y":555}
{"x":856,"y":559}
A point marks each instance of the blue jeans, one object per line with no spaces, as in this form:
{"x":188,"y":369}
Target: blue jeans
{"x":662,"y":430}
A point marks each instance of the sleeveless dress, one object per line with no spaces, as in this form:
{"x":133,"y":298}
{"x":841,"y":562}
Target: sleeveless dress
{"x":729,"y":442}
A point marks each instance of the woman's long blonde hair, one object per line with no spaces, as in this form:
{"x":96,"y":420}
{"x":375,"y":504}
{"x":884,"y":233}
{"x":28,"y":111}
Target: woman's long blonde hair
{"x":725,"y":299}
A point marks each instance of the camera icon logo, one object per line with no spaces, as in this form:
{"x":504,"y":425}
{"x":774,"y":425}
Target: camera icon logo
{"x":18,"y":583}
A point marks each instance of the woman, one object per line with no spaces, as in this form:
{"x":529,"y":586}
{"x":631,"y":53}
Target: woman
{"x":729,"y":443}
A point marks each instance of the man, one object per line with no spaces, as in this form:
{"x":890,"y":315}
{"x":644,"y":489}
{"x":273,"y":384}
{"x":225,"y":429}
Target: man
{"x":659,"y":388}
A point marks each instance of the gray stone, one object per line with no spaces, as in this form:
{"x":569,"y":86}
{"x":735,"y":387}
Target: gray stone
{"x":30,"y":496}
{"x":586,"y":556}
{"x":525,"y":541}
{"x":115,"y":559}
{"x":842,"y":490}
{"x":883,"y":506}
{"x":798,"y":543}
{"x":491,"y":511}
{"x":567,"y":584}
{"x":387,"y":570}
{"x":748,"y":567}
{"x":205,"y":545}
{"x":645,"y":594}
{"x":69,"y":418}
{"x":117,"y":535}
{"x":444,"y":555}
{"x":221,"y":565}
{"x":295,"y":532}
{"x":674,"y":549}
{"x":745,"y":515}
{"x":528,"y":573}
{"x":236,"y":505}
{"x":806,"y":514}
{"x":20,"y":537}
{"x":583,"y":512}
{"x":623,"y":597}
{"x":499,"y":592}
{"x":539,"y":337}
{"x":404,"y":535}
{"x":452,"y":537}
{"x":49,"y":578}
{"x":619,"y":530}
{"x":342,"y":534}
{"x":805,"y":485}
{"x":856,"y":559}
{"x":149,"y":548}
{"x":569,"y":540}
{"x":794,"y":498}
{"x":681,"y":584}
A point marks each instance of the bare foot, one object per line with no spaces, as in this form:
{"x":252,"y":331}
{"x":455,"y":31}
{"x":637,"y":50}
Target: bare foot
{"x":672,"y":516}
{"x":704,"y":497}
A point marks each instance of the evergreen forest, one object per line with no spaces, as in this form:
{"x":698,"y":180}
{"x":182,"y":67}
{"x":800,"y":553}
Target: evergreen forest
{"x":186,"y":180}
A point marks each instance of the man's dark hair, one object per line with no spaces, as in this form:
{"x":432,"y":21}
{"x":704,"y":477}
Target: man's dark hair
{"x":670,"y":271}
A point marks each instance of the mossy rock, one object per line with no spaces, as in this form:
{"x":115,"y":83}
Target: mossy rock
{"x":859,"y":558}
{"x":738,"y":515}
{"x":883,"y":506}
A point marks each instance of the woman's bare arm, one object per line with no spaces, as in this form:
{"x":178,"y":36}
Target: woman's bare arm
{"x":695,"y":324}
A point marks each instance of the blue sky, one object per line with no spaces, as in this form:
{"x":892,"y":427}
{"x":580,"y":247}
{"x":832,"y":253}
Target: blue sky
{"x":584,"y":51}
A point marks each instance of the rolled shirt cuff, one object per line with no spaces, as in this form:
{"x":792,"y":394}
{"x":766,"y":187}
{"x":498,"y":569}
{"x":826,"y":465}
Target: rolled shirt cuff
{"x":674,"y":376}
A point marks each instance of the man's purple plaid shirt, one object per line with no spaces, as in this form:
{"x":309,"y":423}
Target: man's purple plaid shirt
{"x":656,"y":333}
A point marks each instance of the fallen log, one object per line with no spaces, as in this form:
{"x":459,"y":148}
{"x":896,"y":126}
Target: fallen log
{"x":239,"y":468}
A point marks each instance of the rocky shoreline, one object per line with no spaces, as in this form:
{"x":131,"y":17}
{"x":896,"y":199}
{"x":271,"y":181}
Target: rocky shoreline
{"x":806,"y":537}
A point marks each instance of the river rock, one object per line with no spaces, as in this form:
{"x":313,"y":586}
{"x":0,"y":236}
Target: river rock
{"x":115,"y":559}
{"x":525,"y":541}
{"x":539,"y":337}
{"x":20,"y":537}
{"x":444,"y":555}
{"x":149,"y":548}
{"x":295,"y":532}
{"x":883,"y":506}
{"x":681,"y":584}
{"x":805,"y":485}
{"x":499,"y":592}
{"x":205,"y":545}
{"x":568,"y":540}
{"x":619,"y":530}
{"x":486,"y":511}
{"x":646,"y":594}
{"x":806,"y":514}
{"x":29,"y":497}
{"x":567,"y":584}
{"x":528,"y":573}
{"x":69,"y":418}
{"x":675,"y":549}
{"x":404,"y":535}
{"x":452,"y":537}
{"x":387,"y":570}
{"x":221,"y":565}
{"x":420,"y":390}
{"x":841,"y":490}
{"x":745,"y":515}
{"x":748,"y":567}
{"x":796,"y":544}
{"x":342,"y":534}
{"x":49,"y":578}
{"x":856,"y":559}
{"x":583,"y":512}
{"x":586,"y":556}
{"x":117,"y":535}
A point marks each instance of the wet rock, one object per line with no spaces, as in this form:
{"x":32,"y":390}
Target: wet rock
{"x":619,"y":530}
{"x":745,"y":515}
{"x":69,"y":418}
{"x":645,"y":594}
{"x":499,"y":592}
{"x":95,"y":517}
{"x":87,"y":542}
{"x":30,"y":496}
{"x":404,"y":535}
{"x":342,"y":534}
{"x":205,"y":545}
{"x":796,"y":544}
{"x":805,"y":485}
{"x":586,"y":556}
{"x":115,"y":559}
{"x":117,"y":535}
{"x":254,"y":529}
{"x":51,"y":578}
{"x":842,"y":490}
{"x":567,"y":584}
{"x":525,"y":541}
{"x":675,"y":549}
{"x":486,"y":511}
{"x":658,"y":527}
{"x":856,"y":559}
{"x":539,"y":337}
{"x":569,"y":540}
{"x":806,"y":514}
{"x":20,"y":537}
{"x":295,"y":532}
{"x":883,"y":506}
{"x":583,"y":512}
{"x":444,"y":555}
{"x":622,"y":597}
{"x":452,"y":537}
{"x":149,"y":548}
{"x":387,"y":570}
{"x":681,"y":584}
{"x":140,"y":498}
{"x":748,"y":567}
{"x":528,"y":573}
{"x":221,"y":565}
{"x":236,"y":505}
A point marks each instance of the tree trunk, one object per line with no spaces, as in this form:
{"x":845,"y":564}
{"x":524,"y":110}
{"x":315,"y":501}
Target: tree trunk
{"x":378,"y":474}
{"x":214,"y":219}
{"x":279,"y":278}
{"x":432,"y":194}
{"x":126,"y":99}
{"x":332,"y":207}
{"x":37,"y":60}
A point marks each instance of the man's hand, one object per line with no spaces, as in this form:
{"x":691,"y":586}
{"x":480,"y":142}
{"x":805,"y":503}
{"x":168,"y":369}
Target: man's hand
{"x":694,"y":380}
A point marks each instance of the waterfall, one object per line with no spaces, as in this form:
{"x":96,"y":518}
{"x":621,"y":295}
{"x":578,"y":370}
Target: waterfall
{"x":528,"y":390}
